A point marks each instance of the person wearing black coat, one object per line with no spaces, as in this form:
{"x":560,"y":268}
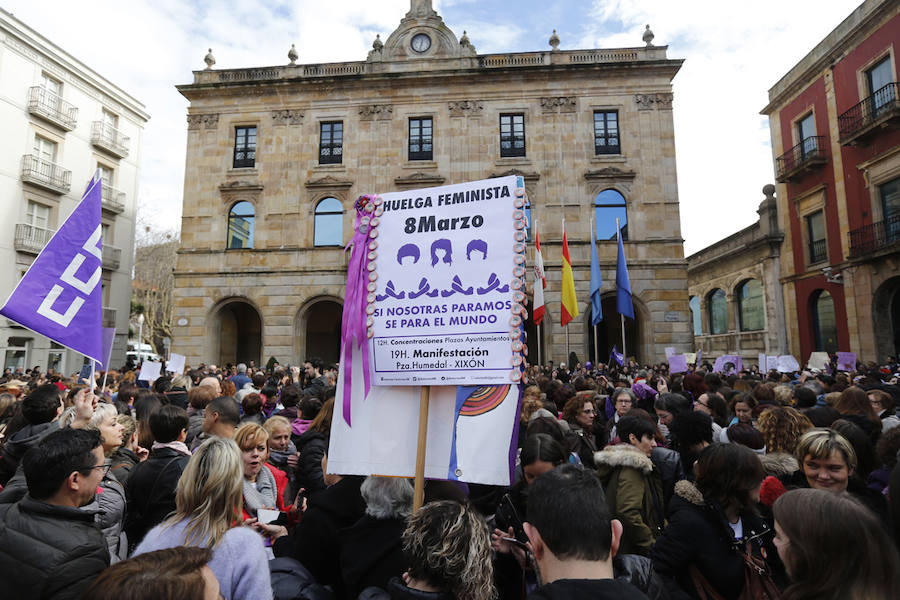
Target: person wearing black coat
{"x":668,"y":462}
{"x":150,"y":491}
{"x":315,"y":542}
{"x":312,"y":446}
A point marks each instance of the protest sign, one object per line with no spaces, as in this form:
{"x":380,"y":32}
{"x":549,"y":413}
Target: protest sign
{"x":728,"y":363}
{"x":109,"y":336}
{"x":471,"y":430}
{"x":670,"y":351}
{"x":818,"y":360}
{"x":787,"y":364}
{"x":691,"y":358}
{"x":84,"y":376}
{"x":677,"y":363}
{"x":149,"y":371}
{"x":846,"y":361}
{"x":761,"y":362}
{"x":771,"y":362}
{"x":446,"y":285}
{"x":175,"y":364}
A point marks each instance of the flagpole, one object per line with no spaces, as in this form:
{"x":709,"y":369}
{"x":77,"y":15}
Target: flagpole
{"x":539,"y":345}
{"x":105,"y":373}
{"x":419,"y":485}
{"x":621,"y":316}
{"x":560,"y":300}
{"x":593,"y":326}
{"x":93,"y":363}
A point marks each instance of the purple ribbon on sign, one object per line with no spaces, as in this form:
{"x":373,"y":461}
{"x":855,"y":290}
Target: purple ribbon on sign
{"x":353,"y":320}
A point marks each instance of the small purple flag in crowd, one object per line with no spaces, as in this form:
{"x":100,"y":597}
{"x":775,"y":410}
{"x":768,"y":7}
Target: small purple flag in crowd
{"x":60,"y":296}
{"x":616,"y":356}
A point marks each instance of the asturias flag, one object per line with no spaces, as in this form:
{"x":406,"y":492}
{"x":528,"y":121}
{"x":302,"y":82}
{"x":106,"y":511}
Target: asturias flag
{"x":624,"y":305}
{"x":61,"y":295}
{"x":569,"y":302}
{"x":539,"y":281}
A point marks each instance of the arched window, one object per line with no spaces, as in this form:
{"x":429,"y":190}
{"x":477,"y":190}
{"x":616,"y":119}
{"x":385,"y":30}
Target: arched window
{"x":695,"y":315}
{"x":824,"y":322}
{"x":718,"y":312}
{"x":750,"y":306}
{"x":329,"y":223}
{"x":608,"y":206}
{"x":240,"y":226}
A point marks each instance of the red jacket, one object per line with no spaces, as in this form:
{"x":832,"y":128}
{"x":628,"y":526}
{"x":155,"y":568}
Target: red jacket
{"x":280,"y":483}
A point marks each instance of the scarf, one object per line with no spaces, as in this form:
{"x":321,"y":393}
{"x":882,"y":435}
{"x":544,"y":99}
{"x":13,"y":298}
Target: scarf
{"x":279,"y":457}
{"x":299,"y":426}
{"x":263,"y":495}
{"x":177,"y":446}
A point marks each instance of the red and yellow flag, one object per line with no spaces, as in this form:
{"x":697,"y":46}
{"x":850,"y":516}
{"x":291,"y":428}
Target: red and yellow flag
{"x":569,"y":302}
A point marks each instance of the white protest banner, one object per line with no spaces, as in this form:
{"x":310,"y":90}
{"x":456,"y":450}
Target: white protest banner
{"x":846,"y":361}
{"x":771,"y":362}
{"x":818,"y":360}
{"x":149,"y":371}
{"x":670,"y":352}
{"x":691,"y":358}
{"x":383,"y":437}
{"x":787,"y":364}
{"x":446,"y":284}
{"x":176,"y":363}
{"x":761,"y":361}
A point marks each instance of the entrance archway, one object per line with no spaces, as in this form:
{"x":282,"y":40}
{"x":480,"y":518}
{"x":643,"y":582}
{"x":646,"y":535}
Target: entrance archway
{"x":323,"y":331}
{"x":886,"y":318}
{"x":609,"y":331}
{"x":237,"y":331}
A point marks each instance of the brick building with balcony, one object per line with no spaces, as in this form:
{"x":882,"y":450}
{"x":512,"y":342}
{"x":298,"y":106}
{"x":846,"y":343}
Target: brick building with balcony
{"x":835,"y":127}
{"x":61,"y":121}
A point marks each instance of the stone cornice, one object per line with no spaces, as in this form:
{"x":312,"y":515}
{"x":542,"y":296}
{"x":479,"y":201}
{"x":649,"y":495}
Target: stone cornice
{"x":418,"y":179}
{"x":328,"y":182}
{"x":609,"y":174}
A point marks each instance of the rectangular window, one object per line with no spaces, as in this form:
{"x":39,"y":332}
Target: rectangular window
{"x":37,"y":215}
{"x":806,"y":131}
{"x":106,"y":174}
{"x":44,"y":149}
{"x":512,"y":135}
{"x":878,"y":78}
{"x":110,"y":119}
{"x":420,"y":139}
{"x":331,"y":143}
{"x":244,"y":147}
{"x":815,"y":231}
{"x":606,"y":132}
{"x":890,"y":209}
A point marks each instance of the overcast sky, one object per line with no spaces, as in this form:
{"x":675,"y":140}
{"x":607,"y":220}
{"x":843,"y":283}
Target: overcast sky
{"x":734,"y":52}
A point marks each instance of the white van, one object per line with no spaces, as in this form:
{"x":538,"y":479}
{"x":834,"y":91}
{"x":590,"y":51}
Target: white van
{"x":140,"y":352}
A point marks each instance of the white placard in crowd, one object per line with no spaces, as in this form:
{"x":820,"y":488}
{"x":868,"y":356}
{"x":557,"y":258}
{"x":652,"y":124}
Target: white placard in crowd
{"x":175,"y":364}
{"x":149,"y":371}
{"x":449,"y":280}
{"x":818,"y":360}
{"x":787,"y":364}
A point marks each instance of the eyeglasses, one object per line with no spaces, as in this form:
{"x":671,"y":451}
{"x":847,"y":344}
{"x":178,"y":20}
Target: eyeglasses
{"x":589,"y":411}
{"x":104,"y":467}
{"x":703,"y":404}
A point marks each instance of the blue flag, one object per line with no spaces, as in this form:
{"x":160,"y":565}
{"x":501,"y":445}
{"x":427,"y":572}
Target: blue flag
{"x":617,"y":357}
{"x":60,"y":296}
{"x":624,"y":305}
{"x":596,"y":282}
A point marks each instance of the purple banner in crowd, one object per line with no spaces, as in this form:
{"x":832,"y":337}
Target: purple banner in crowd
{"x":61,"y":296}
{"x":109,"y":335}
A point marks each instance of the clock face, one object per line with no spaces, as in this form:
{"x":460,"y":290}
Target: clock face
{"x":421,"y":42}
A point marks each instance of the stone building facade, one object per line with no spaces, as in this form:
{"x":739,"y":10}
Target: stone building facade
{"x":835,"y":126}
{"x":276,"y":157}
{"x":736,"y":300}
{"x":60,"y":121}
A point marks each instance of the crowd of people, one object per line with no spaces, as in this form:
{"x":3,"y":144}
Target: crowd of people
{"x":630,"y":482}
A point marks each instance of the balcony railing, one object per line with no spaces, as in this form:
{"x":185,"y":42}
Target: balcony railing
{"x":107,"y":137}
{"x":818,"y":251}
{"x":112,"y":199}
{"x":112,"y":257}
{"x":109,"y":317}
{"x":805,"y":156}
{"x":31,"y":239}
{"x":875,"y":237}
{"x":47,"y":105}
{"x":873,"y":112}
{"x":46,"y":174}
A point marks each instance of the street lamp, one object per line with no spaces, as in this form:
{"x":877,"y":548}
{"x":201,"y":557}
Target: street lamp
{"x":140,"y":335}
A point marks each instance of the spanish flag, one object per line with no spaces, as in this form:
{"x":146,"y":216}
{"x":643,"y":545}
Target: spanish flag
{"x":569,"y":302}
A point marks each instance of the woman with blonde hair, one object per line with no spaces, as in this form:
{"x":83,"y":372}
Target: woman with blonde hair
{"x":448,"y":551}
{"x":111,"y":498}
{"x":264,"y":484}
{"x":208,"y":505}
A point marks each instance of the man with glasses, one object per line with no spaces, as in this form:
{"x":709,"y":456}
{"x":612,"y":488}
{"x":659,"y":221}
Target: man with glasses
{"x":49,"y":546}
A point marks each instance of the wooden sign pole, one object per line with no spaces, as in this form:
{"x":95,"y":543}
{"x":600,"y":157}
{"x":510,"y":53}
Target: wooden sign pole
{"x":419,"y":490}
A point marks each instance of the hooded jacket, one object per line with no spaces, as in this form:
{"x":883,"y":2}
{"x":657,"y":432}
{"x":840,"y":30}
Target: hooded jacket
{"x":634,"y":495}
{"x":698,"y":535}
{"x":311,"y":446}
{"x":17,"y":445}
{"x":48,"y":552}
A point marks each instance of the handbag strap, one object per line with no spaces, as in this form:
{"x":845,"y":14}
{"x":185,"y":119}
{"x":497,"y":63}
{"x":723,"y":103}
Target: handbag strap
{"x":703,"y":587}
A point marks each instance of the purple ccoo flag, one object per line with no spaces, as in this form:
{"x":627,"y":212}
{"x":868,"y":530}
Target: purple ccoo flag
{"x":60,"y":296}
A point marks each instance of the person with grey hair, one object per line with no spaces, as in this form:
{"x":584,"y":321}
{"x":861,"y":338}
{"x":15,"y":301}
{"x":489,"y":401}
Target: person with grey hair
{"x":372,"y":549}
{"x":241,"y":379}
{"x":623,"y":400}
